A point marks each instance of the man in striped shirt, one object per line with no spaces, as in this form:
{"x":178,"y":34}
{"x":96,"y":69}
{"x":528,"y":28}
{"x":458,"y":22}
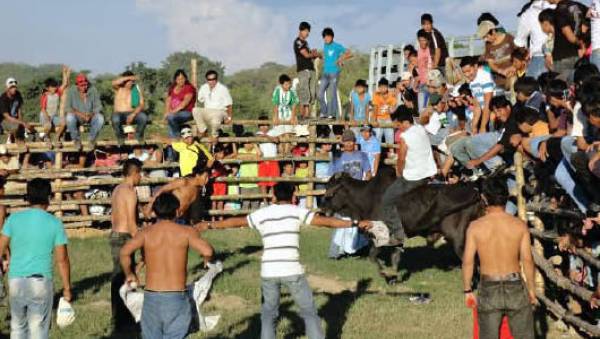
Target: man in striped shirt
{"x":279,"y":227}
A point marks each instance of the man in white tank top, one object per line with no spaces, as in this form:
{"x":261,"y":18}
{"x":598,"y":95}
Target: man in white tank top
{"x":414,"y":168}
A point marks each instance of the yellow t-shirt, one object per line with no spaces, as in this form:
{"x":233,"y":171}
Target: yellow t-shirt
{"x":248,"y":169}
{"x":302,"y":173}
{"x":539,"y":129}
{"x":188,"y":155}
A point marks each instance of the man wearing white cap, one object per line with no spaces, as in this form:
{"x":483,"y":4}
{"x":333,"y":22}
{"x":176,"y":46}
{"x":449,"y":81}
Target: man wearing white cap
{"x":498,"y":49}
{"x":11,"y":103}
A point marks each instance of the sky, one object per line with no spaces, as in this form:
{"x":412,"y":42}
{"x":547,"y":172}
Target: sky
{"x":106,"y":35}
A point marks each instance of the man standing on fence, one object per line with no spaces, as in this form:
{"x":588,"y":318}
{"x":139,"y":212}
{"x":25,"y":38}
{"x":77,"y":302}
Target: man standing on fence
{"x":503,"y":244}
{"x":334,"y":56}
{"x":34,"y":236}
{"x":305,"y":67}
{"x":166,"y":312}
{"x":124,"y":227}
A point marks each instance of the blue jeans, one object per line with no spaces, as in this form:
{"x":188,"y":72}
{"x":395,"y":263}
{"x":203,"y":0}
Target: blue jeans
{"x":166,"y":315}
{"x":387,"y":132}
{"x":176,"y":121}
{"x":302,"y":294}
{"x":474,"y":147}
{"x":537,"y":66}
{"x":120,"y":119}
{"x":563,"y":175}
{"x":329,"y":108}
{"x":73,"y":122}
{"x":595,"y":59}
{"x":30,"y":307}
{"x":423,"y":97}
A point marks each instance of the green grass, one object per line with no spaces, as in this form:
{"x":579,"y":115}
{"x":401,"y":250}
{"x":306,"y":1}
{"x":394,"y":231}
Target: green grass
{"x":353,"y":300}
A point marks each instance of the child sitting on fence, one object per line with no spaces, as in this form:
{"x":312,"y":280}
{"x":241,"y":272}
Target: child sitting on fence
{"x":268,"y":168}
{"x":284,"y":112}
{"x":219,"y":171}
{"x":233,"y":188}
{"x":50,"y":105}
{"x":249,"y":154}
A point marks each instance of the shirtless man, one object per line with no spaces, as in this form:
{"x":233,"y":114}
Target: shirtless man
{"x":124,"y":227}
{"x":166,"y":312}
{"x":503,"y":244}
{"x":128,"y":106}
{"x":186,"y":190}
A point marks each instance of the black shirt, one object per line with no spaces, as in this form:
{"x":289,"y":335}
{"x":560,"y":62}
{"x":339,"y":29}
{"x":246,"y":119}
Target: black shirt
{"x":10,"y":105}
{"x":572,"y":14}
{"x":436,"y":40}
{"x":507,"y":130}
{"x":302,"y":63}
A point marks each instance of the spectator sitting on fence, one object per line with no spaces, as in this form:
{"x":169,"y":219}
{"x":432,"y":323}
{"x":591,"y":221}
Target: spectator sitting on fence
{"x":218,"y":171}
{"x":218,"y":105}
{"x":129,"y":107}
{"x":188,"y":190}
{"x":249,"y":154}
{"x":383,"y":103}
{"x":360,"y":102}
{"x":190,"y":151}
{"x":269,"y":168}
{"x":482,"y":88}
{"x":181,"y":97}
{"x":83,"y":106}
{"x":50,"y":104}
{"x":233,"y":189}
{"x":11,"y":104}
{"x":498,"y":49}
{"x":285,"y":103}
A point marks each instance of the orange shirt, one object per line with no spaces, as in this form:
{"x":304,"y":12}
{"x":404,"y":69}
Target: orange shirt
{"x":539,"y":129}
{"x":383,"y":105}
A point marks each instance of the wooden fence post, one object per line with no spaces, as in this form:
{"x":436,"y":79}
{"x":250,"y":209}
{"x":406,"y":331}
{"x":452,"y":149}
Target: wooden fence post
{"x":310,"y":200}
{"x":194,"y":73}
{"x":58,"y":159}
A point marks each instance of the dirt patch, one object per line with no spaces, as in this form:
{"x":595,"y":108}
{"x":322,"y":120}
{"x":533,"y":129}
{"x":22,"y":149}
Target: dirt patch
{"x":328,"y":285}
{"x":226,"y":302}
{"x":83,"y":233}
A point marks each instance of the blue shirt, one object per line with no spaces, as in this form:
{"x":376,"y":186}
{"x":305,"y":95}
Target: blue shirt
{"x":356,"y":164}
{"x":331,"y":54}
{"x":360,"y":107}
{"x":371,"y":147}
{"x":33,"y":235}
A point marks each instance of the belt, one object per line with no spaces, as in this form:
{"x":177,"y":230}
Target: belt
{"x":499,"y":278}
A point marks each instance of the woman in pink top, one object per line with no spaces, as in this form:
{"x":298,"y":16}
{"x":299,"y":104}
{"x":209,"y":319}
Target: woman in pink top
{"x":424,"y":64}
{"x":180,"y":102}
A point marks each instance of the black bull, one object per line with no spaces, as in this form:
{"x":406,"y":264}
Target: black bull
{"x":425,"y":211}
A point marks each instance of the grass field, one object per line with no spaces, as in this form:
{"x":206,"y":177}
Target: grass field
{"x":353,"y":301}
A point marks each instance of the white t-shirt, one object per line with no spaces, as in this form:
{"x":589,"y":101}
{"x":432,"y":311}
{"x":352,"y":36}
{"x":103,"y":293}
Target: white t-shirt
{"x":435,"y":123}
{"x":580,"y":122}
{"x":595,"y":19}
{"x":217,"y":98}
{"x":268,"y":149}
{"x":419,"y":162}
{"x":530,"y":30}
{"x":279,"y":227}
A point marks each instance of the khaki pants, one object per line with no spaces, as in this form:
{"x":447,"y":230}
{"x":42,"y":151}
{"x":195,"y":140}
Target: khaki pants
{"x":209,"y":119}
{"x":307,"y":87}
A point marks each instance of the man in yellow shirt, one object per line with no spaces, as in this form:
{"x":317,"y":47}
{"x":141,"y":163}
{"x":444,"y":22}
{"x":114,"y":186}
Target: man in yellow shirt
{"x":191,"y":152}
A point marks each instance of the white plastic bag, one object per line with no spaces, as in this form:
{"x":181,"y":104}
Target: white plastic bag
{"x":133,"y":299}
{"x":200,"y":290}
{"x":380,"y":234}
{"x":65,"y":314}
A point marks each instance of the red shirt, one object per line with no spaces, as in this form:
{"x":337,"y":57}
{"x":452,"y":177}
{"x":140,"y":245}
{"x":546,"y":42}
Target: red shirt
{"x":177,"y":98}
{"x":300,"y":151}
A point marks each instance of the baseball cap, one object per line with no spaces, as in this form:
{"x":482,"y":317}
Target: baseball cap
{"x":365,"y":128}
{"x":348,"y":136}
{"x":405,"y":76}
{"x":80,"y":78}
{"x":436,"y":78}
{"x":186,"y":132}
{"x":128,"y":129}
{"x":484,"y":28}
{"x":11,"y":82}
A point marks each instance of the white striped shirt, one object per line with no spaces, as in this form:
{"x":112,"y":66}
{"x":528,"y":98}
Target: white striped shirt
{"x":279,"y":227}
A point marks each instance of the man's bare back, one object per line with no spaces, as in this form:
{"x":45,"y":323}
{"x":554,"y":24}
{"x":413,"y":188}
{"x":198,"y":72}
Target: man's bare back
{"x":186,"y":194}
{"x":166,"y":247}
{"x":498,"y":237}
{"x":124,"y":209}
